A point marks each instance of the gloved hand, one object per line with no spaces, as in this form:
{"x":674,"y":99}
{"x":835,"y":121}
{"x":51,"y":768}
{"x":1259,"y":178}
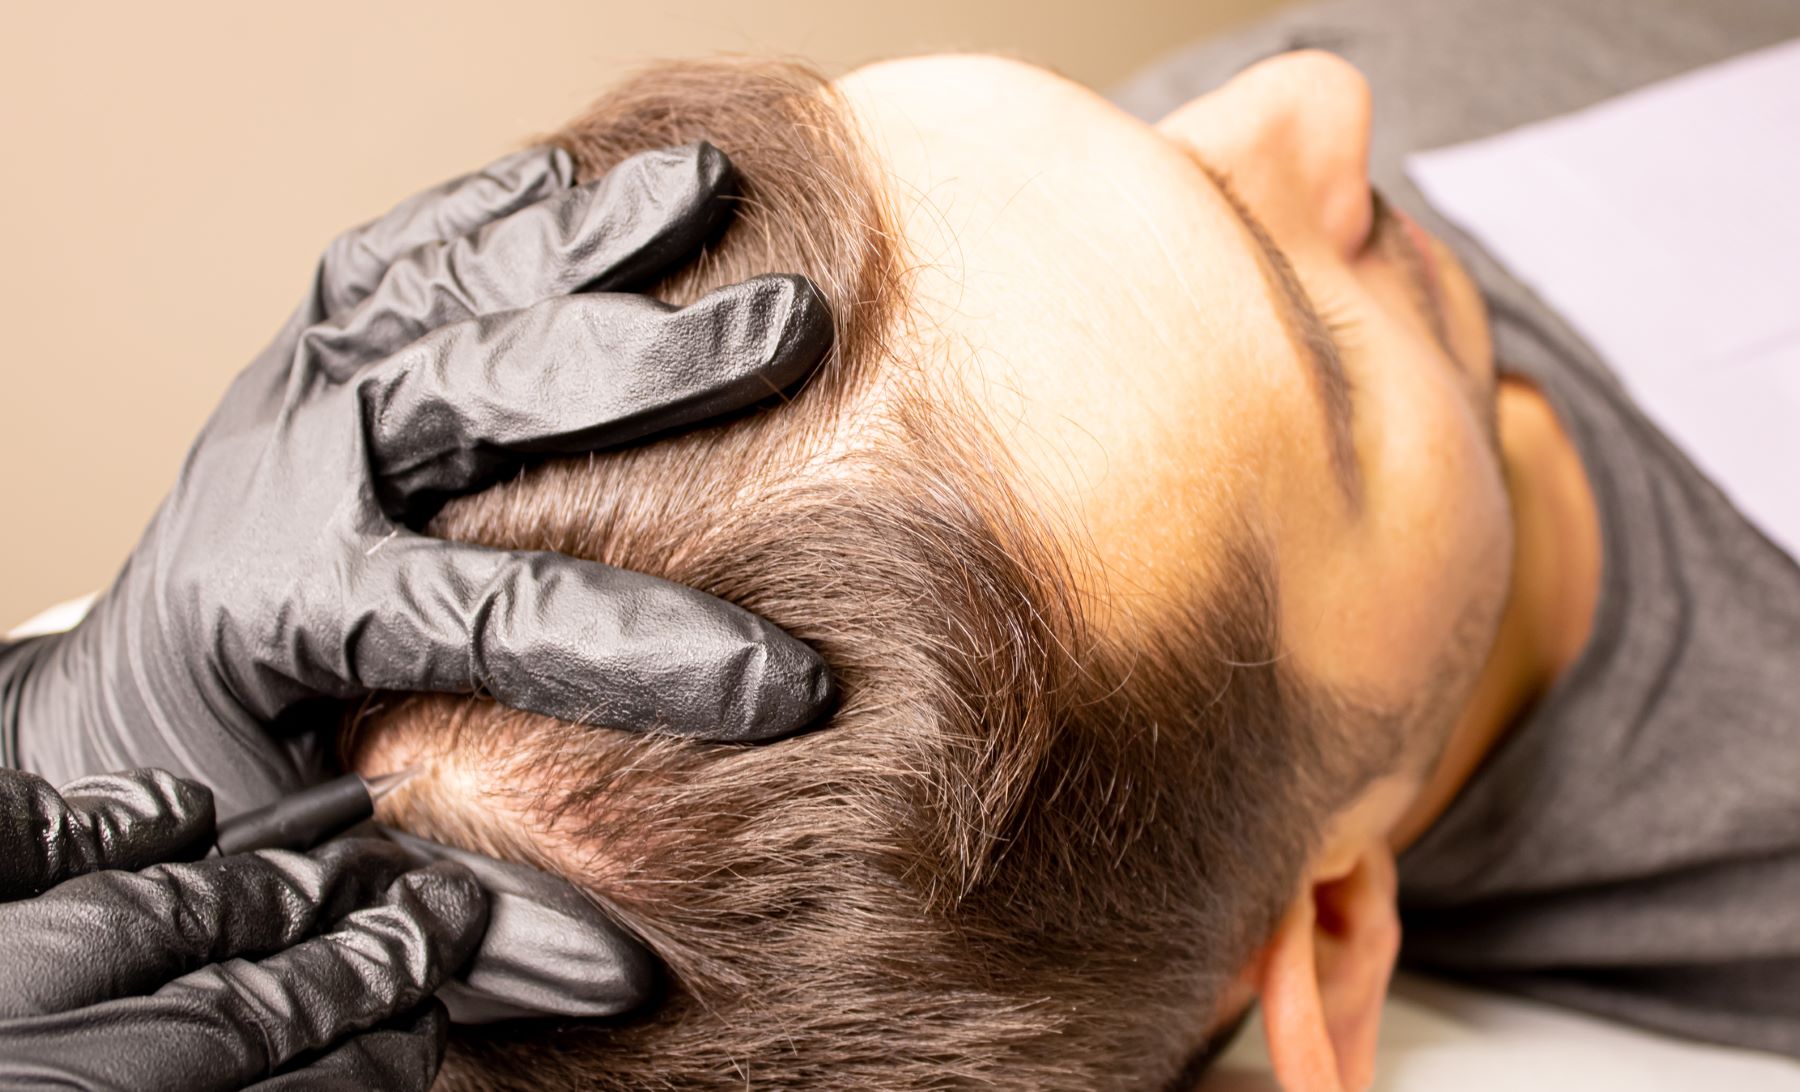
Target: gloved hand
{"x":438,"y":350}
{"x":269,"y":969}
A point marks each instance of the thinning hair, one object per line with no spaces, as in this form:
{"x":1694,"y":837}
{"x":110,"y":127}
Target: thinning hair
{"x":1024,"y":853}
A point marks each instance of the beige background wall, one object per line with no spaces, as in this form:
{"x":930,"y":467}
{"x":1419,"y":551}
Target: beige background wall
{"x":172,"y":170}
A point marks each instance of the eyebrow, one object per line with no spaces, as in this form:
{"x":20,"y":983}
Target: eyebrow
{"x":1307,"y":330}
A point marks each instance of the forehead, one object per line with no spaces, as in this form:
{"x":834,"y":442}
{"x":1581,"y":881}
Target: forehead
{"x":1097,"y":295}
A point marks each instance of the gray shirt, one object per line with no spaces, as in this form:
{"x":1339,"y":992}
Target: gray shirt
{"x":1632,"y":847}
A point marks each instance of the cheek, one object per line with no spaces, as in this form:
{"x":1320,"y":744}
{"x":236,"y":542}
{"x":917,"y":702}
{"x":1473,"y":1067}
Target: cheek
{"x":1439,"y":501}
{"x":1434,"y":542}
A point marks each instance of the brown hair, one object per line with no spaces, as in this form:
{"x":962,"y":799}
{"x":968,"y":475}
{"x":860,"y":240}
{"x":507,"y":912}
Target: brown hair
{"x":1023,"y":854}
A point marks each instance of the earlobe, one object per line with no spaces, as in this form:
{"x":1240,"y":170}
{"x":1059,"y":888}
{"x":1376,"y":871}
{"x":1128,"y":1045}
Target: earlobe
{"x":1293,"y":1010}
{"x":1357,"y":941}
{"x":1325,"y":977}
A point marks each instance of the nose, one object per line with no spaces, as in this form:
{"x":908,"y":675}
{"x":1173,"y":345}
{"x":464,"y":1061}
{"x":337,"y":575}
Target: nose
{"x":1292,"y":133}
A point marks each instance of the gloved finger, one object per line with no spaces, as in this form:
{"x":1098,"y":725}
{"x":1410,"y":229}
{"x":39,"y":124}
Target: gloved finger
{"x":114,"y":934}
{"x":462,"y":408}
{"x":550,"y":948}
{"x":235,"y":1022}
{"x":646,"y":217}
{"x":125,"y":820}
{"x":354,"y":263}
{"x":575,"y":640}
{"x":401,"y":1055}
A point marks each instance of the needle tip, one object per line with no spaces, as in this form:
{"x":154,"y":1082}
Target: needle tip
{"x":382,"y":784}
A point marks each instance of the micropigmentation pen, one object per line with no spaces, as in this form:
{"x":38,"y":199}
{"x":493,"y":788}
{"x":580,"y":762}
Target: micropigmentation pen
{"x":309,"y":816}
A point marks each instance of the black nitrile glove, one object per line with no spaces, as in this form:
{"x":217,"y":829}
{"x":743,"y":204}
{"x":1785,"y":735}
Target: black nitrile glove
{"x":271,"y":969}
{"x":439,"y":349}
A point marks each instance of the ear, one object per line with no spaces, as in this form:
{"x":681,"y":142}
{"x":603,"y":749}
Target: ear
{"x":1325,"y":975}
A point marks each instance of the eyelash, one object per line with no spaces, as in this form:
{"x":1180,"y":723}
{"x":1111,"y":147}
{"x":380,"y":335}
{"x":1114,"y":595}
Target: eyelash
{"x":1333,"y":313}
{"x":1339,"y":322}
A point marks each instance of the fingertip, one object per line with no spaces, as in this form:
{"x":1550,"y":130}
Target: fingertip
{"x":197,"y":812}
{"x":637,"y":977}
{"x":775,"y":329}
{"x":793,"y":691}
{"x":805,"y":329}
{"x":713,"y":169}
{"x":815,"y":689}
{"x":687,"y":176}
{"x":191,"y":798}
{"x":452,"y":898}
{"x":815,"y":696}
{"x":650,"y":213}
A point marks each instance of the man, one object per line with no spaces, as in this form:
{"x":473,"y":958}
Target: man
{"x":1166,"y":610}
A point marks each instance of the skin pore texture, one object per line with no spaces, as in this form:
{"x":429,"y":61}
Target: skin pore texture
{"x":1102,"y":287}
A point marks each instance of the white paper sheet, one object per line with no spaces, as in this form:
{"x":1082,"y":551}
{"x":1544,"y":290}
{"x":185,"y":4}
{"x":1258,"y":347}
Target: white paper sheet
{"x":1664,"y":225}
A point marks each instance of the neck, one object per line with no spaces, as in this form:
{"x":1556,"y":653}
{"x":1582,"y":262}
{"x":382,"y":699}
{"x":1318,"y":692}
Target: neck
{"x":1550,"y":605}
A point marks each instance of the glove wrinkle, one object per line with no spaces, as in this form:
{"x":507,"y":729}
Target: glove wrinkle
{"x":116,"y":821}
{"x":227,"y":971}
{"x":150,"y":926}
{"x":605,"y":234}
{"x":354,"y":263}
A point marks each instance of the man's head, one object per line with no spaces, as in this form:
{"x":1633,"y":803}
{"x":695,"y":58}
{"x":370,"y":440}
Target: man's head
{"x":1149,"y":601}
